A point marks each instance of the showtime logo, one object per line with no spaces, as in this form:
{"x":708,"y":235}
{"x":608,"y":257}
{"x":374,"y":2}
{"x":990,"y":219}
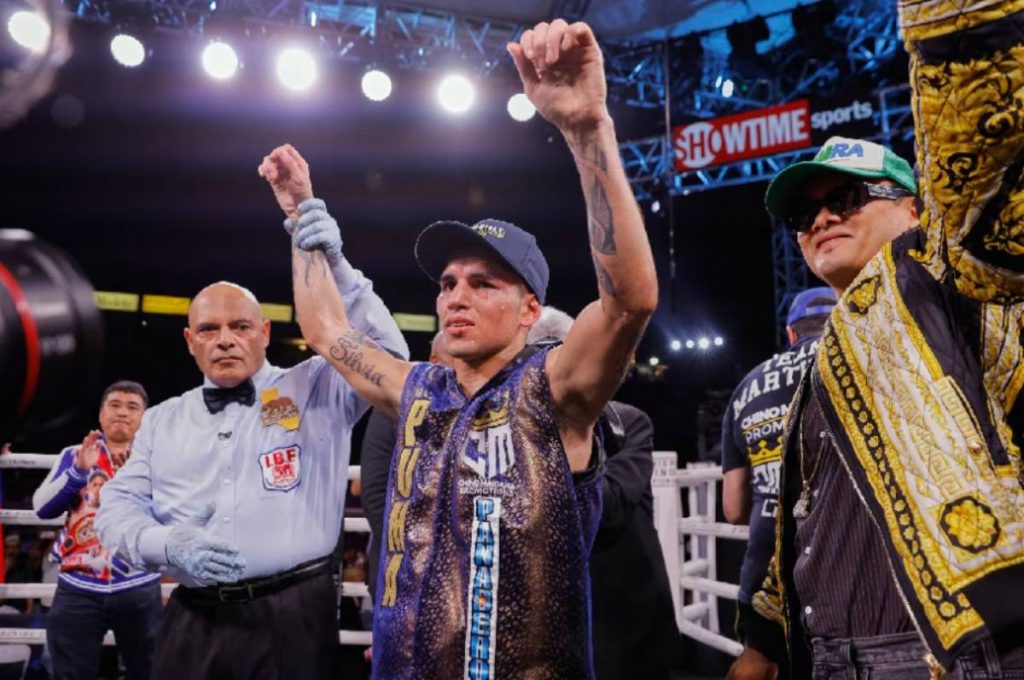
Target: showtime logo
{"x":747,"y":135}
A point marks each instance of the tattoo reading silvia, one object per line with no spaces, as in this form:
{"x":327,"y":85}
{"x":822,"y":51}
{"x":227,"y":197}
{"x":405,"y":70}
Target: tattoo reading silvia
{"x":348,"y":351}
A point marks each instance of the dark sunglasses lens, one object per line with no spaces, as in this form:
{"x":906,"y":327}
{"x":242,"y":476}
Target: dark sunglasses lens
{"x":841,"y":201}
{"x":803,"y":217}
{"x":846,"y":198}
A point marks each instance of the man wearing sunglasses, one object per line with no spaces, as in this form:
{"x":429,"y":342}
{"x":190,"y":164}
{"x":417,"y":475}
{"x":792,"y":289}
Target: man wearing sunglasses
{"x":843,"y":207}
{"x":899,"y":549}
{"x":846,"y":203}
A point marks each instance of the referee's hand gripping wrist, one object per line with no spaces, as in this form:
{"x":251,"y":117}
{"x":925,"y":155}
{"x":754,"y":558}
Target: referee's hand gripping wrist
{"x":315,"y":229}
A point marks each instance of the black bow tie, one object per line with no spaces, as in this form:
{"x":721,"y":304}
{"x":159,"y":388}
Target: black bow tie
{"x":217,"y":398}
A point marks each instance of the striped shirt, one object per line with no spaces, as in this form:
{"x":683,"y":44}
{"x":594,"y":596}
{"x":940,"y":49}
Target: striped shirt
{"x":841,"y":574}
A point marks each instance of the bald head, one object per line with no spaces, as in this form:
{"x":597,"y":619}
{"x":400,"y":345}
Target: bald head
{"x":220,"y":289}
{"x":438,"y":354}
{"x":227,"y":333}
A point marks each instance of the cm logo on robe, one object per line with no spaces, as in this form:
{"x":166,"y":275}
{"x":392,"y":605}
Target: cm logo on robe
{"x":489,"y":452}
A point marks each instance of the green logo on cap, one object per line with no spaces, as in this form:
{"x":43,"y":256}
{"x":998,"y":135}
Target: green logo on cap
{"x":840,"y":151}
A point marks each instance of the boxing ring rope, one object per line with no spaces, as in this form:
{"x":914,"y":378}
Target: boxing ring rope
{"x":687,"y":542}
{"x":37,"y":636}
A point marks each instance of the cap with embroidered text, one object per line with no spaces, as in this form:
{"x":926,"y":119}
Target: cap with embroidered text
{"x":441,"y":241}
{"x":854,"y":157}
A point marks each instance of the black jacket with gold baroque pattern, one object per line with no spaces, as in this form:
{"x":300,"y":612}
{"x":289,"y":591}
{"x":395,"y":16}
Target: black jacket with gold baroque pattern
{"x":920,"y":368}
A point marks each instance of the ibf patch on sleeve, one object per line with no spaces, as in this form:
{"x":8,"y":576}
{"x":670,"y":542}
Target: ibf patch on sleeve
{"x":281,"y":468}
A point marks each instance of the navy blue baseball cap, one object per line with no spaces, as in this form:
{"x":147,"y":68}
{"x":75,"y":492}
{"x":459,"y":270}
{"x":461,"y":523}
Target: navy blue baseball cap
{"x":810,"y":302}
{"x":438,"y":243}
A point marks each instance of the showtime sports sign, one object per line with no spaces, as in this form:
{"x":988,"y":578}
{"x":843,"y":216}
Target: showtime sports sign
{"x":747,"y":135}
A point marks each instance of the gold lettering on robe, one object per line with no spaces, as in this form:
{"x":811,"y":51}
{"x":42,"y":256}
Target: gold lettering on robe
{"x":406,"y":466}
{"x":417,"y":414}
{"x":396,"y":526}
{"x":404,"y":475}
{"x":391,"y":581}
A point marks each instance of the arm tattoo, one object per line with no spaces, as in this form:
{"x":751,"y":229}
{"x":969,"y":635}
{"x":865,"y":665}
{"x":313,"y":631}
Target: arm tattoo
{"x":602,"y":227}
{"x":599,"y":211}
{"x":308,"y":257}
{"x":604,"y":279}
{"x":364,"y":339}
{"x":594,"y":156}
{"x":590,"y":155}
{"x":348,"y":351}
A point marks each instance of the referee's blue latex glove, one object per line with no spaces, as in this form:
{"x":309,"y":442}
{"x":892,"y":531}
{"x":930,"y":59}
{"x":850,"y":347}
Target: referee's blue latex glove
{"x":316,"y":230}
{"x":206,"y":558}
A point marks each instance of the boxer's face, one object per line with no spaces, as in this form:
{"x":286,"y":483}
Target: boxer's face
{"x":227,"y":335}
{"x":484,"y":307}
{"x":121,"y":415}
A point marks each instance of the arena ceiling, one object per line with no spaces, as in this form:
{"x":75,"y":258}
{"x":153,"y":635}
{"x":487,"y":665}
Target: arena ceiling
{"x":623,"y":19}
{"x":147,"y":179}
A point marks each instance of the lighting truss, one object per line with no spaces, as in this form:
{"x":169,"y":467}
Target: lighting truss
{"x":415,"y":37}
{"x":864,"y":36}
{"x":896,"y":115}
{"x":870,"y":31}
{"x":636,"y":74}
{"x":651,"y":171}
{"x":789,"y":273}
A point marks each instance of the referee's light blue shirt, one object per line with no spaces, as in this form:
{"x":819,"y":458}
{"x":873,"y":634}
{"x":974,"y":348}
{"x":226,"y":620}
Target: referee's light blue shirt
{"x":278,"y":493}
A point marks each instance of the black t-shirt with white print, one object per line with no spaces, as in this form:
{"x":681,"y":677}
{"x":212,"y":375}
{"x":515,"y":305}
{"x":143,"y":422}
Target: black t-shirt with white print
{"x":752,"y":436}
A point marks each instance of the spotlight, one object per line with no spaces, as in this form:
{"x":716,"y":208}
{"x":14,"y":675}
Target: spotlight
{"x":655,"y":206}
{"x":689,"y":344}
{"x":728,"y":88}
{"x":376,"y":85}
{"x":719,"y":341}
{"x":296,"y":69}
{"x":654,"y":361}
{"x":455,"y":94}
{"x":220,"y":60}
{"x":521,"y":108}
{"x":703,"y":343}
{"x":313,"y":18}
{"x":675,"y":345}
{"x":30,"y":30}
{"x":127,"y":50}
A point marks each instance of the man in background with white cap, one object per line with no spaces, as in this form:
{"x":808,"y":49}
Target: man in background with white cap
{"x":752,"y":435}
{"x":493,"y":498}
{"x":900,"y":532}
